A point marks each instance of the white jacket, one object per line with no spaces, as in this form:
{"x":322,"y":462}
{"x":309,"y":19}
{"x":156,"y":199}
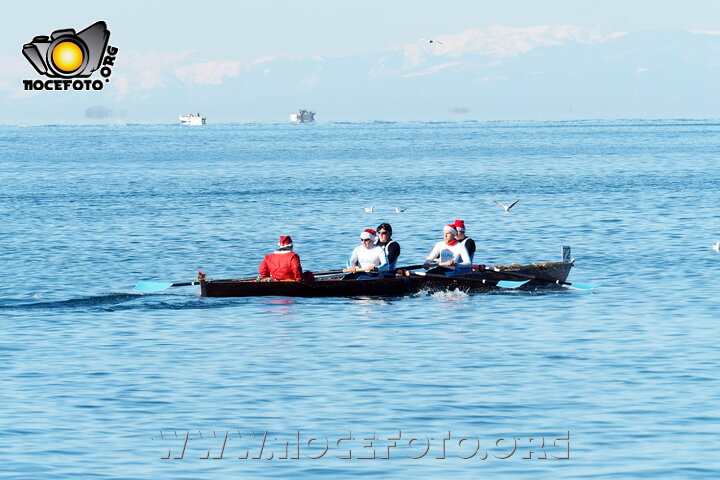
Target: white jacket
{"x":456,"y":252}
{"x":364,"y":257}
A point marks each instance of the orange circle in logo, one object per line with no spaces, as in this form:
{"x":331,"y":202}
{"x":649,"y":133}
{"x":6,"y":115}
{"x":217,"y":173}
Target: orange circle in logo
{"x":67,"y":56}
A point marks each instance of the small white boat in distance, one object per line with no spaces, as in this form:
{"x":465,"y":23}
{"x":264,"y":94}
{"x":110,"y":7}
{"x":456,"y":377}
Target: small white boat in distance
{"x":191,"y":119}
{"x":303,"y":116}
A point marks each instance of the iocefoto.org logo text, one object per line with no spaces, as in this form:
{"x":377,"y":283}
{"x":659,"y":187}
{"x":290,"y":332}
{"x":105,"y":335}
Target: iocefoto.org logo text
{"x":68,"y":57}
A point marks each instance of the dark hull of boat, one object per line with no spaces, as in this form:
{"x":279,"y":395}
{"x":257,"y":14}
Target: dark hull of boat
{"x":546,"y":274}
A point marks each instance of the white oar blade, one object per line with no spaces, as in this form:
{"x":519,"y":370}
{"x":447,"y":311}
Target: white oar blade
{"x":146,"y":286}
{"x":511,"y":283}
{"x":582,"y":286}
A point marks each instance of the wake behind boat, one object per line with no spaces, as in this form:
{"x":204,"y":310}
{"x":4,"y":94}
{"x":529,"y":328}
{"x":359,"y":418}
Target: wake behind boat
{"x":530,"y":275}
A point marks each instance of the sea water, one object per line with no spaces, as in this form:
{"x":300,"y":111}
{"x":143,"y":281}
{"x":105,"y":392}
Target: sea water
{"x":99,"y":381}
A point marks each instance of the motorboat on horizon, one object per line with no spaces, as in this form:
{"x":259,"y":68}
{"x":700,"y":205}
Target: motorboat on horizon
{"x":303,"y":116}
{"x":191,"y":119}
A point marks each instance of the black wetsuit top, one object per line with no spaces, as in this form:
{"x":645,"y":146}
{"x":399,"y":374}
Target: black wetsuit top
{"x":470,"y":247}
{"x":392,"y":250}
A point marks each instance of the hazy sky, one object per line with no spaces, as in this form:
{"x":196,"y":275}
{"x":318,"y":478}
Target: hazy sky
{"x":247,"y":30}
{"x":195,"y":55}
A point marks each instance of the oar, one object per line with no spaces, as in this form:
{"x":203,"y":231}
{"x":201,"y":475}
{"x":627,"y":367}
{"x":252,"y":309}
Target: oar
{"x":329,"y":272}
{"x":499,"y":283}
{"x":411,"y":267}
{"x":149,"y":286}
{"x":577,"y":285}
{"x":333,"y":272}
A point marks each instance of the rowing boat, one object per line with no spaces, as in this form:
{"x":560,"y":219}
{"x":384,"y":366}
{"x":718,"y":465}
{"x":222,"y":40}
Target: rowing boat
{"x":536,"y":274}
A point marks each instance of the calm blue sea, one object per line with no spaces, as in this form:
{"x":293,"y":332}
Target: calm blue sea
{"x":97,"y":381}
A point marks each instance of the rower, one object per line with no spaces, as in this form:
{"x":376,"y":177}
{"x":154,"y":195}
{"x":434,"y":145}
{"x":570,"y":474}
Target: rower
{"x":367,"y":257}
{"x":469,"y":243}
{"x":283,"y":264}
{"x":390,"y":246}
{"x":452,"y":256}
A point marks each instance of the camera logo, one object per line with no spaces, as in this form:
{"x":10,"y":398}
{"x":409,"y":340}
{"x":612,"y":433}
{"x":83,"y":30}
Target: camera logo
{"x":67,"y":55}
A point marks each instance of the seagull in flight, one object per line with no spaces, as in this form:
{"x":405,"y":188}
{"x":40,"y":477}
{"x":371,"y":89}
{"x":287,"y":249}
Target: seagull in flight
{"x":507,"y":209}
{"x":399,"y":210}
{"x":435,"y":41}
{"x":369,"y":209}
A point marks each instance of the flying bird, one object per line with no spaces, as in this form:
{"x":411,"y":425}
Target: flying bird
{"x":369,"y":209}
{"x":399,"y":210}
{"x":435,"y":41}
{"x":507,"y":209}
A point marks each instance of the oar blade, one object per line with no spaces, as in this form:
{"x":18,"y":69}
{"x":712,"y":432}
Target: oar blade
{"x":511,"y":283}
{"x":147,"y":286}
{"x":582,"y":286}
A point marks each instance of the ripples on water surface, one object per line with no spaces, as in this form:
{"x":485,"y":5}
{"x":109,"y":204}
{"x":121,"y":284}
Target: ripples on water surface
{"x":98,"y":381}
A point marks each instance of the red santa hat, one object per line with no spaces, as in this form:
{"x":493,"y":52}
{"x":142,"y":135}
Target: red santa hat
{"x":460,"y":225}
{"x":368,"y":233}
{"x":285,"y":241}
{"x":450,"y":227}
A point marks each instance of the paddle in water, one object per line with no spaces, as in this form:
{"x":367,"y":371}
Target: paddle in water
{"x":147,"y":286}
{"x":500,"y":283}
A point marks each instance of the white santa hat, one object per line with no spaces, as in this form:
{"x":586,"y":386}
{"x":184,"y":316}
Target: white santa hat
{"x":450,"y":228}
{"x":368,"y":233}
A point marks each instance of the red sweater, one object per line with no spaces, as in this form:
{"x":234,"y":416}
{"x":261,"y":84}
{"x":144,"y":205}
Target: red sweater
{"x":281,"y":266}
